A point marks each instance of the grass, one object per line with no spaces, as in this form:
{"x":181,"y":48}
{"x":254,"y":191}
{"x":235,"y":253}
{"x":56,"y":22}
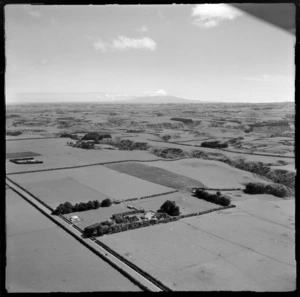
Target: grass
{"x":156,"y":175}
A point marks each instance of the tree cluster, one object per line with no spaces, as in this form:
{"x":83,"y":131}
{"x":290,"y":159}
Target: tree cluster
{"x":67,"y":207}
{"x":95,"y":136}
{"x":169,"y":153}
{"x":106,"y":203}
{"x":270,"y":123}
{"x":170,"y":208}
{"x":121,"y":223}
{"x":85,"y":145}
{"x":135,"y":131}
{"x":214,"y":144}
{"x":166,"y":137}
{"x":183,"y":120}
{"x":214,"y":198}
{"x":68,"y":135}
{"x":130,"y":145}
{"x":279,"y":176}
{"x":13,"y":133}
{"x":25,"y":161}
{"x":272,"y":189}
{"x":199,"y":154}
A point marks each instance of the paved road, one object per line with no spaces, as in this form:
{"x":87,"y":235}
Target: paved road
{"x":144,"y":281}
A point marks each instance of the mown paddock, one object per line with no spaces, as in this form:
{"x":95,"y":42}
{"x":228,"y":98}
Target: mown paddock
{"x":43,"y":258}
{"x":101,"y":214}
{"x":156,"y":175}
{"x":57,"y":154}
{"x":224,"y":250}
{"x":213,"y":174}
{"x":21,"y":155}
{"x":55,"y":192}
{"x":84,"y":184}
{"x":187,"y":203}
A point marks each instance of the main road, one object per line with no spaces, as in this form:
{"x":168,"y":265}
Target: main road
{"x":131,"y":271}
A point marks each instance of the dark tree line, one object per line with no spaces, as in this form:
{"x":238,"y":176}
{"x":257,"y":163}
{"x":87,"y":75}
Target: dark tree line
{"x":120,"y":222}
{"x":13,"y":133}
{"x":272,"y":189}
{"x":67,"y":207}
{"x":214,"y":144}
{"x":68,"y":135}
{"x":168,"y":153}
{"x":95,"y":136}
{"x":130,"y":145}
{"x":183,"y":120}
{"x":214,"y":198}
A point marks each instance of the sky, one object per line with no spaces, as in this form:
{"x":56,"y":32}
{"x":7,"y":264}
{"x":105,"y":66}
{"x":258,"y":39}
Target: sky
{"x":208,"y":52}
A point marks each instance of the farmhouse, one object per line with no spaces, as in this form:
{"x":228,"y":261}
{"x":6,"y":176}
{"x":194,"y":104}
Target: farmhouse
{"x":74,"y":219}
{"x":149,"y":215}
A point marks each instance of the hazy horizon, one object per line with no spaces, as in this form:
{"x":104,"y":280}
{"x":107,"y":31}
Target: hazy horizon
{"x":197,"y":52}
{"x":65,"y":98}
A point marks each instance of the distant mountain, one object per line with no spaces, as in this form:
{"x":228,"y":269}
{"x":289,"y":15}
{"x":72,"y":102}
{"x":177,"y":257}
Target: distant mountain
{"x":158,"y":99}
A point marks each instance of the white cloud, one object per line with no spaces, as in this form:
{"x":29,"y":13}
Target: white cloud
{"x":161,"y":92}
{"x":44,"y":61}
{"x":211,"y":15}
{"x":32,"y":12}
{"x":143,"y":29}
{"x":267,"y":78}
{"x":100,"y":45}
{"x":123,"y":43}
{"x":35,"y":13}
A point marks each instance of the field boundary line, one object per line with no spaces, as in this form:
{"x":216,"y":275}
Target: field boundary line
{"x":225,"y":150}
{"x":32,"y":138}
{"x":78,"y":238}
{"x":95,"y":164}
{"x":132,"y":266}
{"x":150,"y":196}
{"x":239,"y":244}
{"x":30,"y":194}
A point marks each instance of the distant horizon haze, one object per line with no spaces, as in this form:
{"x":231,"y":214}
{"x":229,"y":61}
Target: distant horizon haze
{"x":106,"y":97}
{"x":205,"y":52}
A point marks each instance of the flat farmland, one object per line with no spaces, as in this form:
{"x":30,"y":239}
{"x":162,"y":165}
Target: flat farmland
{"x":100,"y":179}
{"x":212,"y":174}
{"x":54,"y":192}
{"x":187,"y":203}
{"x":225,"y":250}
{"x":156,"y":175}
{"x":230,"y":154}
{"x":42,"y":257}
{"x":21,"y":155}
{"x":101,"y":214}
{"x":48,"y":163}
{"x":58,"y":154}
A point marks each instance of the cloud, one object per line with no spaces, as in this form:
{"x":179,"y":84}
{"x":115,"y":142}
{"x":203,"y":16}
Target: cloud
{"x":267,"y":78}
{"x":35,"y":13}
{"x":100,"y":45}
{"x":161,"y":92}
{"x":123,"y":43}
{"x":41,"y":64}
{"x":32,"y":12}
{"x":157,"y":93}
{"x":44,"y":61}
{"x":143,"y":29}
{"x":211,"y":15}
